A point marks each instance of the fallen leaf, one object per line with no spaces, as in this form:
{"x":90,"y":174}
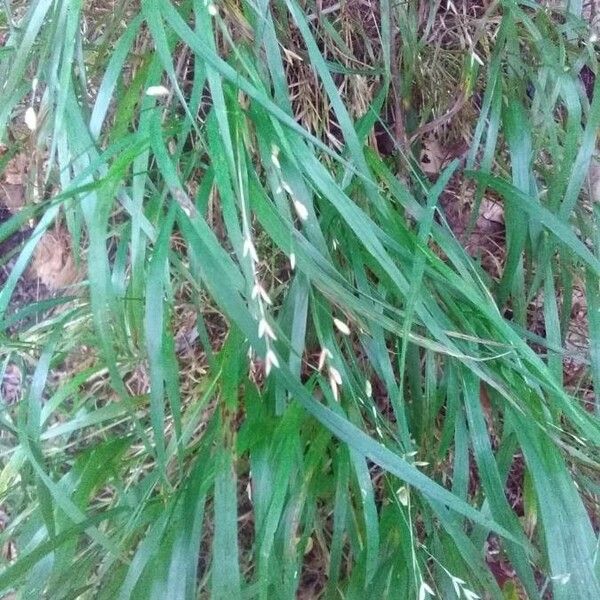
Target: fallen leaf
{"x":12,"y":183}
{"x":432,"y":156}
{"x":53,"y":262}
{"x":490,"y":210}
{"x":12,"y":196}
{"x":16,"y":169}
{"x":11,"y":385}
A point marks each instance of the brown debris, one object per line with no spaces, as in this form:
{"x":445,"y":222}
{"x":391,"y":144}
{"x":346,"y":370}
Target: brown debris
{"x":53,"y":262}
{"x":16,"y":170}
{"x":138,"y":381}
{"x":12,"y":182}
{"x":11,"y":385}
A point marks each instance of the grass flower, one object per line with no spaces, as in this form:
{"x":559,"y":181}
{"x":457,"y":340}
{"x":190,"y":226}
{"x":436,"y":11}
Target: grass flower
{"x":157,"y":90}
{"x":341,"y":326}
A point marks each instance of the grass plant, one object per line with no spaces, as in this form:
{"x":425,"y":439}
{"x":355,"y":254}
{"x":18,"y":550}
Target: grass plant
{"x":281,"y":374}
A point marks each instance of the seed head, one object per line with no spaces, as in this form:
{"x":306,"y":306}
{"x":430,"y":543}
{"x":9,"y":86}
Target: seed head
{"x":341,"y":326}
{"x":157,"y":90}
{"x":301,"y":210}
{"x":270,"y":362}
{"x":31,"y":119}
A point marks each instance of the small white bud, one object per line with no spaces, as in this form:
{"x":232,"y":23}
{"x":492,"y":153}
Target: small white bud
{"x":292,"y":261}
{"x":402,"y":494}
{"x":425,"y":589}
{"x":368,"y":389}
{"x":341,"y":326}
{"x":325,"y":353}
{"x":335,"y":375}
{"x":157,"y":90}
{"x":334,"y":388}
{"x":476,"y":58}
{"x":250,"y":249}
{"x":301,"y":210}
{"x":31,"y":119}
{"x":265,"y":329}
{"x":456,"y":584}
{"x":259,"y":290}
{"x":429,"y":589}
{"x":271,"y":361}
{"x":213,"y":11}
{"x":275,"y":156}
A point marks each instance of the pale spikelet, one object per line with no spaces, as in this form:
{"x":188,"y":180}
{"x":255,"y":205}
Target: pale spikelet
{"x":250,"y":249}
{"x":275,"y":156}
{"x":424,"y":590}
{"x":265,"y":329}
{"x":31,"y":119}
{"x":334,"y":388}
{"x":259,"y":290}
{"x":157,"y":90}
{"x":476,"y":58}
{"x":368,"y":389}
{"x":301,"y":210}
{"x":341,"y":326}
{"x":335,"y":375}
{"x":292,"y":261}
{"x":213,"y":11}
{"x":469,"y":595}
{"x":265,"y":296}
{"x":457,"y":584}
{"x":322,"y":358}
{"x":325,"y":354}
{"x":271,"y":361}
{"x":402,"y":494}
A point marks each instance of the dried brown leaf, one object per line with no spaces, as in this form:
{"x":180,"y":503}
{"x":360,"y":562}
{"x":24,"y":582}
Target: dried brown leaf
{"x":53,"y":262}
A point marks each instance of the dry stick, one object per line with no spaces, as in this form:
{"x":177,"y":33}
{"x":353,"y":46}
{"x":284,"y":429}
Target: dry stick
{"x":399,"y":127}
{"x":323,"y":11}
{"x":441,"y":120}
